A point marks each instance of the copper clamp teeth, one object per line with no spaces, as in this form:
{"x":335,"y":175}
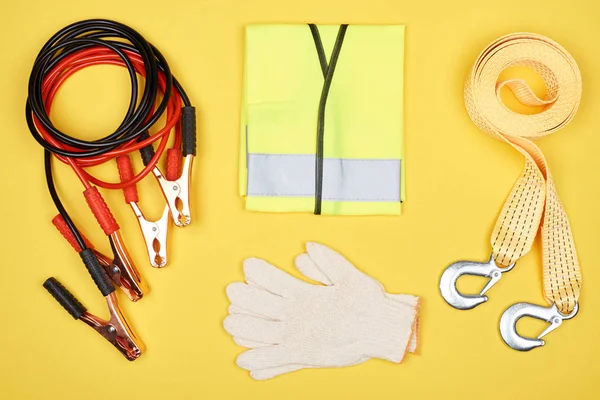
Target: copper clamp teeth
{"x":120,"y":269}
{"x":116,"y":330}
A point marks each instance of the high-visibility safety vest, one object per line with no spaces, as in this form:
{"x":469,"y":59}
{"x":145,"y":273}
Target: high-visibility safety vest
{"x":322,"y":119}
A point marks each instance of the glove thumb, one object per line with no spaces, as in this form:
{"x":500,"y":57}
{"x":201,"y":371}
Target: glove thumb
{"x":328,"y":266}
{"x":309,"y":269}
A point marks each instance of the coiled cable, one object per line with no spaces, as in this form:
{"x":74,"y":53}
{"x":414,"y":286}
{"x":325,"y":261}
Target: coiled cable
{"x":94,"y":42}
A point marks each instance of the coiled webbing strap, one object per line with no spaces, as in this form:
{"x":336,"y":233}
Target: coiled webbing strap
{"x":533,"y":201}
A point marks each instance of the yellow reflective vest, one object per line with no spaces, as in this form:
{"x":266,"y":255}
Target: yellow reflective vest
{"x":362,"y":149}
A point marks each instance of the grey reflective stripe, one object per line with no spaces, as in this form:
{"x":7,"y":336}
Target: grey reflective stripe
{"x":344,"y":179}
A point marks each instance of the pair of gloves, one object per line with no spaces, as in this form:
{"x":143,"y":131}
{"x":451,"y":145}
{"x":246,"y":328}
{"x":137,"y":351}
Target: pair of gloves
{"x":289,"y":324}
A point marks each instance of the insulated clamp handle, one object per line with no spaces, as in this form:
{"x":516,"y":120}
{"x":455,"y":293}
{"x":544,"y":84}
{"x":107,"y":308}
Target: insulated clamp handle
{"x":64,"y":298}
{"x":188,"y":130}
{"x":98,"y":273}
{"x":63,"y":228}
{"x":146,"y":152}
{"x":126,"y":174}
{"x":173,"y":170}
{"x":101,"y":211}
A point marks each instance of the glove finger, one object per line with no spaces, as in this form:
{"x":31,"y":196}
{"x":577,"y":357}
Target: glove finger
{"x":249,"y":344}
{"x":331,"y":263}
{"x":238,"y":310}
{"x":264,"y":275}
{"x":244,"y":342}
{"x":269,"y":373}
{"x":254,"y":329}
{"x":264,"y":374}
{"x":263,"y":358}
{"x":308,"y":268}
{"x":256,"y":301}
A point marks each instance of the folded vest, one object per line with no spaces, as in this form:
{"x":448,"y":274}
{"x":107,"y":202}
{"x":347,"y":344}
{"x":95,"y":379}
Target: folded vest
{"x":361,"y":158}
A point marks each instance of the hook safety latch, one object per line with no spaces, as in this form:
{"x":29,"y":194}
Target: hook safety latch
{"x":508,"y":323}
{"x":451,"y":274}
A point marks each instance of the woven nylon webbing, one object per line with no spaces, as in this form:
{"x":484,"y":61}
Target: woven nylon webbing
{"x":533,"y":201}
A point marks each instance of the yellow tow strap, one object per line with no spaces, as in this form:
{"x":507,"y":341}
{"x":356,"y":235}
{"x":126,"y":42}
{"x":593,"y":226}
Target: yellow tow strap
{"x":533,"y":200}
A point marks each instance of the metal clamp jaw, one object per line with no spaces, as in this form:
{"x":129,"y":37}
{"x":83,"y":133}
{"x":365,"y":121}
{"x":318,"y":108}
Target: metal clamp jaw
{"x":122,"y":270}
{"x":177,"y":192}
{"x":451,"y":275}
{"x":508,"y":323}
{"x":116,"y":330}
{"x":155,"y":235}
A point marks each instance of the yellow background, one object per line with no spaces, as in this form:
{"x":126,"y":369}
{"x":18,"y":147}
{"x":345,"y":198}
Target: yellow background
{"x":457,"y":180}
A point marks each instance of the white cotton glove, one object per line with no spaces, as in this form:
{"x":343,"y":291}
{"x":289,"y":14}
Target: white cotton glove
{"x":290,"y":324}
{"x":268,"y":373}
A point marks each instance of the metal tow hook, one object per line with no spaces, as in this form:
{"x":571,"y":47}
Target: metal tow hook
{"x":467,"y":301}
{"x":508,"y":323}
